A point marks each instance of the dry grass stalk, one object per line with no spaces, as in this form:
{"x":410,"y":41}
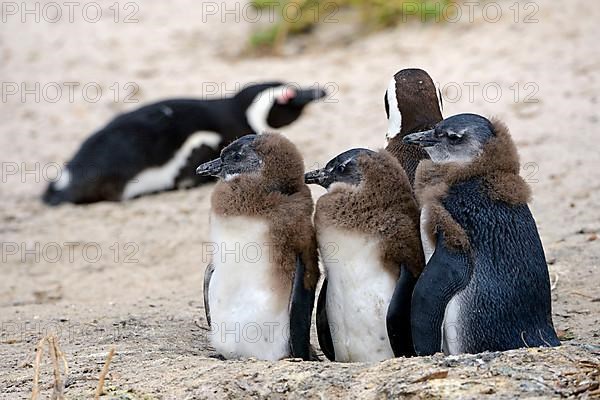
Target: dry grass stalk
{"x":55,"y":354}
{"x":555,"y":283}
{"x":103,"y":374}
{"x":35,"y":391}
{"x":434,"y":375}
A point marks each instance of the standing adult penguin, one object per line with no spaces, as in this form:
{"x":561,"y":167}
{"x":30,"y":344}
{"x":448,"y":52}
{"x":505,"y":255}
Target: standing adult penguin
{"x":486,"y":284}
{"x":368,"y":233}
{"x":412,"y":104}
{"x":158,"y":147}
{"x":260,"y":286}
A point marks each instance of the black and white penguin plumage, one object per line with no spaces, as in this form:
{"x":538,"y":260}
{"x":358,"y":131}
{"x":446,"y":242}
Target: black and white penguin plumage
{"x":412,"y":104}
{"x":158,"y":147}
{"x":368,"y":234}
{"x":260,"y":285}
{"x":485,"y":286}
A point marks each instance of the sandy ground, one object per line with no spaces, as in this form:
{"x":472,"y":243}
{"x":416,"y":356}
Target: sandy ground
{"x":129,"y":275}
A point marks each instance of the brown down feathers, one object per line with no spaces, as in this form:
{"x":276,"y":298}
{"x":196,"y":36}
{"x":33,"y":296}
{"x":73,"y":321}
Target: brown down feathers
{"x":279,"y":195}
{"x":383,"y":206}
{"x":498,"y":166}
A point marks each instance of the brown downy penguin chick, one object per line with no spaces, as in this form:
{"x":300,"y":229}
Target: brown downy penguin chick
{"x":260,"y":285}
{"x":412,"y":104}
{"x":486,"y":284}
{"x":368,"y":233}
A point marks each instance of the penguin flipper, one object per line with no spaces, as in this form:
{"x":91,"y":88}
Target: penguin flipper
{"x":323,"y":330}
{"x":398,"y":315}
{"x":301,"y":306}
{"x":446,"y":273}
{"x":210,"y":268}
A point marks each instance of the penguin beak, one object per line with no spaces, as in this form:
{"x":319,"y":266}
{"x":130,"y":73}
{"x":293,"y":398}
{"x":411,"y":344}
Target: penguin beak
{"x":423,"y":139}
{"x":305,"y":96}
{"x":318,"y":177}
{"x":211,"y":168}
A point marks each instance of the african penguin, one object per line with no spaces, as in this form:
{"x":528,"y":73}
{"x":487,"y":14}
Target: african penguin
{"x":485,"y":286}
{"x":368,"y":234}
{"x":157,"y":147}
{"x":412,"y":104}
{"x":260,"y":285}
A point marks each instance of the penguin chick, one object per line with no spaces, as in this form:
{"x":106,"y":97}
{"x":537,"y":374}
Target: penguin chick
{"x":412,"y":104}
{"x":260,"y":285}
{"x":368,"y":234}
{"x":486,"y":284}
{"x":158,"y":147}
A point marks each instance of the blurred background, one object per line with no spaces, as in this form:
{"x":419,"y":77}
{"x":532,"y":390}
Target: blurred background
{"x":130,"y":273}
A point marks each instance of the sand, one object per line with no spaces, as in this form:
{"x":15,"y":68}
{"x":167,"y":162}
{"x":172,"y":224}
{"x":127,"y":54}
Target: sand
{"x":129,"y":275}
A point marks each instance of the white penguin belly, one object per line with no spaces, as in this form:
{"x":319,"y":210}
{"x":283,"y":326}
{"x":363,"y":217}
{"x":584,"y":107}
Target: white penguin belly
{"x":163,"y":177}
{"x":451,"y":323}
{"x":359,"y":291}
{"x":451,"y":326}
{"x":428,"y":245}
{"x":248,"y":304}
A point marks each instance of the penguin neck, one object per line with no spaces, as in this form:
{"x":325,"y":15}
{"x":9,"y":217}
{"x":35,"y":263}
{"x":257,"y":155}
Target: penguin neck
{"x":240,"y":114}
{"x":255,"y":111}
{"x":251,"y":195}
{"x":256,"y":122}
{"x":272,"y":182}
{"x":408,"y":155}
{"x":411,"y":155}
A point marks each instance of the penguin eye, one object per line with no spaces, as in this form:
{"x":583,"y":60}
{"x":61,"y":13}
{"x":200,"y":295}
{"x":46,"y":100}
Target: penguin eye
{"x":237,"y":157}
{"x":454,"y":137}
{"x":341,"y":168}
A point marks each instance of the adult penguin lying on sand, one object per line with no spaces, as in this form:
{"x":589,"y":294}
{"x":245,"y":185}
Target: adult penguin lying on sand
{"x":158,"y":147}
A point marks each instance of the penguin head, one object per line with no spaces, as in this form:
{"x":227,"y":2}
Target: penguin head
{"x":344,"y":168}
{"x":411,"y":101}
{"x":270,"y":106}
{"x":52,"y":196}
{"x":239,"y":157}
{"x":59,"y":190}
{"x":459,"y":138}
